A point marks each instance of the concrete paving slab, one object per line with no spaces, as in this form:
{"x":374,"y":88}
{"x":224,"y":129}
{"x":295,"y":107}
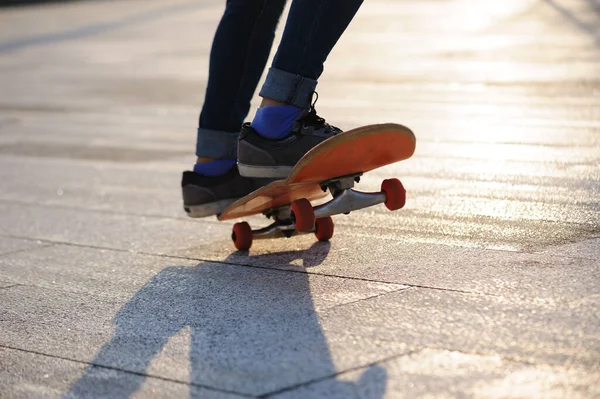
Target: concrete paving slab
{"x":100,"y":272}
{"x":31,"y":123}
{"x":459,"y":213}
{"x":125,"y":187}
{"x":27,"y":375}
{"x":242,"y":329}
{"x":118,"y":231}
{"x":436,"y":373}
{"x":9,"y":244}
{"x":563,"y":334}
{"x":545,"y":276}
{"x":107,"y":273}
{"x":116,"y":189}
{"x":587,"y":249}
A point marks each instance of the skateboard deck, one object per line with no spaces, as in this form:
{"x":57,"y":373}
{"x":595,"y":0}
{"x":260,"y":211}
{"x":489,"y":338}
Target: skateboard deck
{"x":353,"y":152}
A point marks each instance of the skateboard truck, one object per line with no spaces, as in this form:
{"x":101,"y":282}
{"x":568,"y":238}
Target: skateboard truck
{"x":339,"y":184}
{"x":345,"y":199}
{"x":302,"y":218}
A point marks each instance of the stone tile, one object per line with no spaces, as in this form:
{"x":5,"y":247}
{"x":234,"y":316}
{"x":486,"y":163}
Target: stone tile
{"x":242,"y":329}
{"x":107,"y":273}
{"x":27,"y":375}
{"x":506,"y":216}
{"x":136,"y":233}
{"x":561,"y":333}
{"x":86,"y":152}
{"x":111,"y":188}
{"x":9,"y":244}
{"x":118,"y":274}
{"x":433,"y":373}
{"x":397,"y":260}
{"x":588,"y":249}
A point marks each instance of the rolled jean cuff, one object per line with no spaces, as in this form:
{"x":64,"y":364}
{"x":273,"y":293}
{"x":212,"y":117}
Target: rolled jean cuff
{"x":217,"y":144}
{"x":288,"y":88}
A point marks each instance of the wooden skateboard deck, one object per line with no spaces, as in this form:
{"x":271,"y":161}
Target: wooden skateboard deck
{"x":352,"y":152}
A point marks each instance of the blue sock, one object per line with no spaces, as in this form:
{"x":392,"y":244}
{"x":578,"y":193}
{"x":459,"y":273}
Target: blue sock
{"x":217,"y":167}
{"x":275,"y":122}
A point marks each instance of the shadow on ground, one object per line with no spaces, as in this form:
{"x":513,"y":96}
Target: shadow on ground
{"x":251,"y":331}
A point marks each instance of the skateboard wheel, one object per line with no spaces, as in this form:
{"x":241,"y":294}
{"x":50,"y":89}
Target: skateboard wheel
{"x":242,"y":236}
{"x":324,"y":228}
{"x":302,"y":215}
{"x":395,"y":194}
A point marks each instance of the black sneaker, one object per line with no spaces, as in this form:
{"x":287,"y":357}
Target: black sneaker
{"x":206,"y":196}
{"x":261,"y":157}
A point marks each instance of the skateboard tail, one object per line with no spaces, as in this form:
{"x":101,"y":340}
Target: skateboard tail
{"x":356,"y":151}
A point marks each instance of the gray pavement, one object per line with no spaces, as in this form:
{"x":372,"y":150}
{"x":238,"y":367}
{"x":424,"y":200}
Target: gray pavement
{"x":486,"y":285}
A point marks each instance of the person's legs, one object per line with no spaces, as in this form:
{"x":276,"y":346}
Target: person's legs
{"x":239,"y":54}
{"x":238,"y":57}
{"x":312,"y":29}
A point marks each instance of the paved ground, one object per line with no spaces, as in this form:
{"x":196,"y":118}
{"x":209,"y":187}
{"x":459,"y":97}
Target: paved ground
{"x":486,"y":285}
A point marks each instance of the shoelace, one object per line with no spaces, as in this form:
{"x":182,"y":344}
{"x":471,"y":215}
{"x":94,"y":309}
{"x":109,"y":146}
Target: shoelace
{"x":312,"y":119}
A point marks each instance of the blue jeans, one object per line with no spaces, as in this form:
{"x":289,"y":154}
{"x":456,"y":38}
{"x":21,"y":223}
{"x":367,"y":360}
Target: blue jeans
{"x":239,"y":55}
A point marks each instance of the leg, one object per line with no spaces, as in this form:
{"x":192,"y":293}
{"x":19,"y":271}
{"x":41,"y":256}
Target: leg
{"x":238,"y":57}
{"x":312,"y":30}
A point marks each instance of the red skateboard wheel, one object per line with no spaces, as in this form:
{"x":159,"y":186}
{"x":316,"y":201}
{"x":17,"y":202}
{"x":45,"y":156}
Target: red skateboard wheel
{"x":395,"y":194}
{"x":302,"y":215}
{"x":324,"y":228}
{"x":242,"y":236}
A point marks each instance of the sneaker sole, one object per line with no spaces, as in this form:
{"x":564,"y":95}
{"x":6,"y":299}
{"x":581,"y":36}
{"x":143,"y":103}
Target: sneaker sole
{"x":278,"y":172}
{"x":210,"y":209}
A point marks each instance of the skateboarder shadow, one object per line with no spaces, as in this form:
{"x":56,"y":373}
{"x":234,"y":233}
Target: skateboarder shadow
{"x":251,"y":331}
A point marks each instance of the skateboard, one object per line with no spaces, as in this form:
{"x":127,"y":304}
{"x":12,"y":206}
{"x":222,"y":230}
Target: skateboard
{"x":331,"y":168}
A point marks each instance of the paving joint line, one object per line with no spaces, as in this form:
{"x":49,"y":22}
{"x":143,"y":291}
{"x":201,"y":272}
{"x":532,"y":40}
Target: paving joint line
{"x":65,"y":290}
{"x":370,"y":297}
{"x":506,"y":358}
{"x":334,"y":375}
{"x":99,"y":211}
{"x":352,"y":278}
{"x":145,"y":375}
{"x":216,"y":222}
{"x":16,"y":251}
{"x":265,"y":267}
{"x":10,"y":286}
